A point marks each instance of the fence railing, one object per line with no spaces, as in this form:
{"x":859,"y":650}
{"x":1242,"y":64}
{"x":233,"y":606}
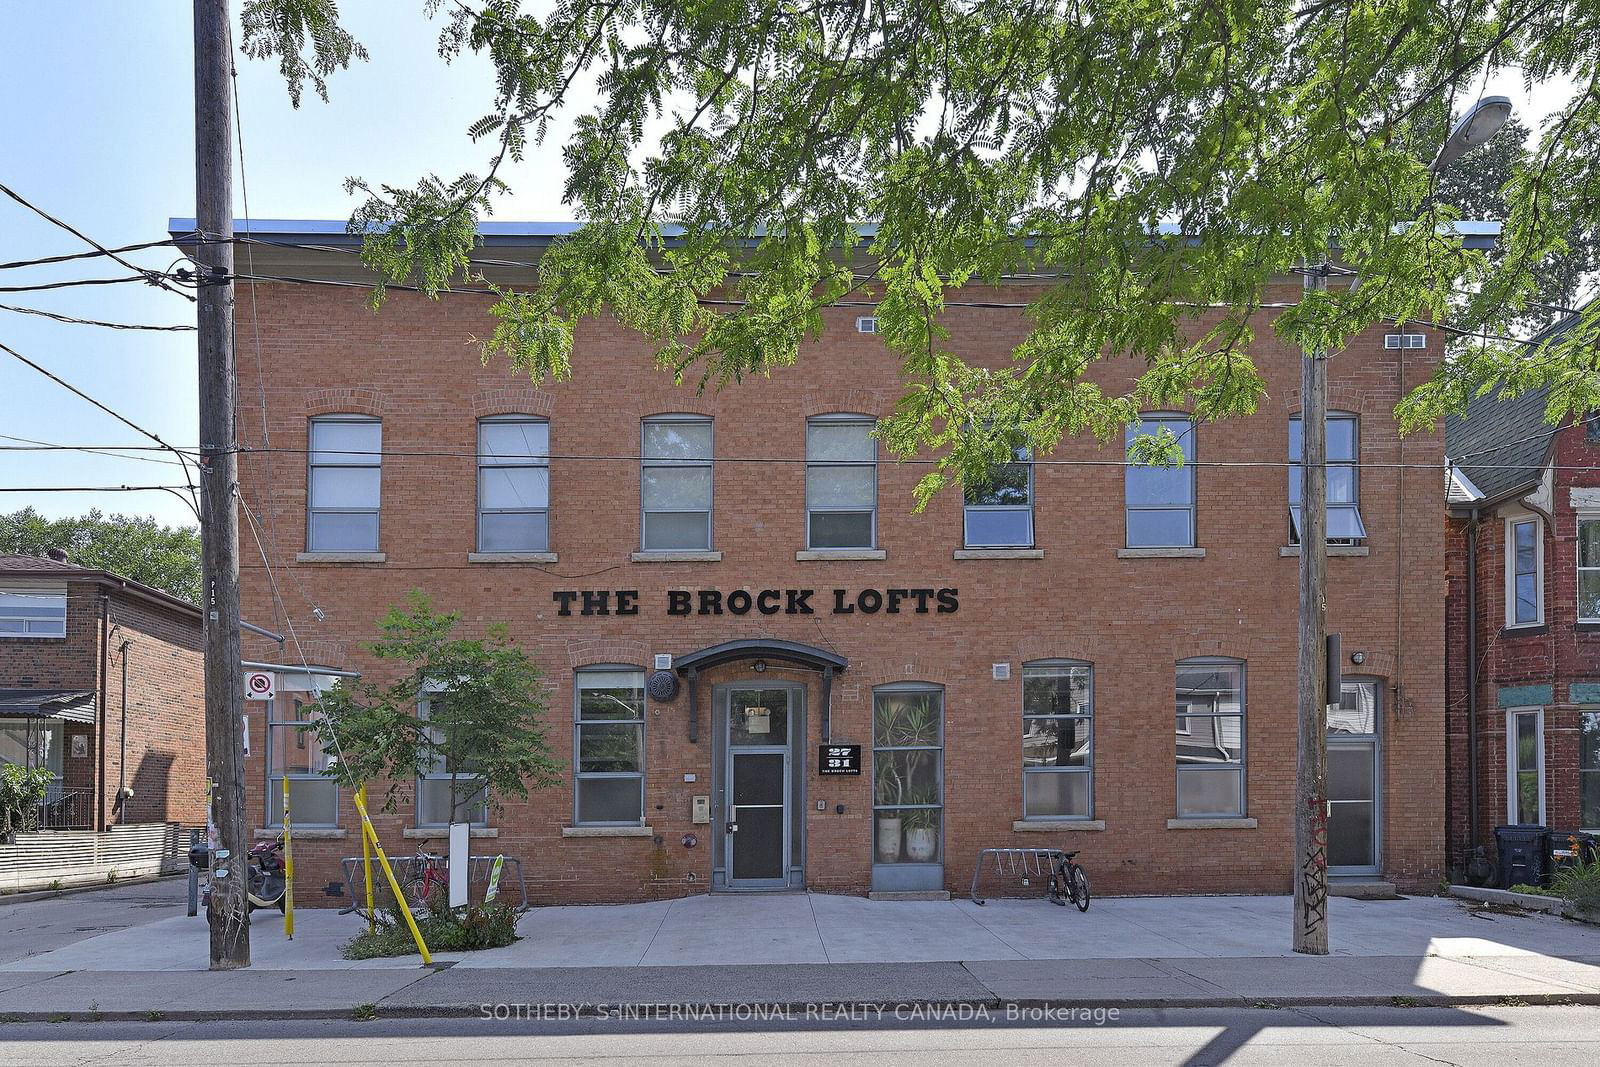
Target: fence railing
{"x":66,"y":809}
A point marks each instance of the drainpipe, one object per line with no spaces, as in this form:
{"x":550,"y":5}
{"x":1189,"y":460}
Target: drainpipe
{"x":100,"y":714}
{"x":122,"y":758}
{"x":1472,"y":682}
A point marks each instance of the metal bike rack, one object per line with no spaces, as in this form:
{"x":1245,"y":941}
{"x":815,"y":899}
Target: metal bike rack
{"x":513,"y":888}
{"x":1020,"y":862}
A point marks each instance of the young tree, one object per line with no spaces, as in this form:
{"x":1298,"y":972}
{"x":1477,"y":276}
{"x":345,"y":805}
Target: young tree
{"x":133,"y":546}
{"x":737,"y":149}
{"x":471,"y":708}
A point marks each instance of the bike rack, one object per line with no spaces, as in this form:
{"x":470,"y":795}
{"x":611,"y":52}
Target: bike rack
{"x":1022,"y":862}
{"x":479,"y":869}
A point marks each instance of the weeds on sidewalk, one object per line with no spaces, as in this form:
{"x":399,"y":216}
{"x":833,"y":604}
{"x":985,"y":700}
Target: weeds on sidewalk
{"x":477,"y":926}
{"x":362,"y":1013}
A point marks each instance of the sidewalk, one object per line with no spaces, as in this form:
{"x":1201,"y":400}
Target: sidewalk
{"x":800,"y":949}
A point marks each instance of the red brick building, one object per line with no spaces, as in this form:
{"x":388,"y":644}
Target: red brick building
{"x":100,"y":682}
{"x":1523,"y":533}
{"x":1084,"y":656}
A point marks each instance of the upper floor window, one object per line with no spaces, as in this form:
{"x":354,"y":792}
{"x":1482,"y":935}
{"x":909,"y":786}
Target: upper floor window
{"x":675,"y":483}
{"x":841,"y":482}
{"x":1000,"y":513}
{"x":1160,"y":500}
{"x":343,"y":490}
{"x":1057,"y":740}
{"x":1589,"y":568}
{"x":513,"y":484}
{"x":1343,"y":463}
{"x":28,"y":611}
{"x":449,"y":791}
{"x":1524,"y":571}
{"x":608,"y":747}
{"x":1210,"y":735}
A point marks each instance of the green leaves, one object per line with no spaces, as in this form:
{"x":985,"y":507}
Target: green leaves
{"x":1137,"y":175}
{"x":283,"y":28}
{"x":467,"y":707}
{"x":132,"y":546}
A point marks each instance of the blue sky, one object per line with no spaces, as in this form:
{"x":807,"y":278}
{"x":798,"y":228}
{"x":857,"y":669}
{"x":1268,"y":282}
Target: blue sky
{"x":97,"y":130}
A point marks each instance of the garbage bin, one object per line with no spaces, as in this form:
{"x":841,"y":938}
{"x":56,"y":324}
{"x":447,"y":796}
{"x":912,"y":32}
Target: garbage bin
{"x":1568,"y":847}
{"x":1523,"y":853}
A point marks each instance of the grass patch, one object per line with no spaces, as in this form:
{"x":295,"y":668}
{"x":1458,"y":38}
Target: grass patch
{"x":1535,"y":890}
{"x":1403,"y":1002}
{"x":153,"y":1016}
{"x":469,"y":929}
{"x":364,"y":1012}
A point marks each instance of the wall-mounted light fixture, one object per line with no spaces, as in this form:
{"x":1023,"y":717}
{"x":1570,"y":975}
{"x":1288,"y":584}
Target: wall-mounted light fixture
{"x":1358,"y":658}
{"x":760,"y":666}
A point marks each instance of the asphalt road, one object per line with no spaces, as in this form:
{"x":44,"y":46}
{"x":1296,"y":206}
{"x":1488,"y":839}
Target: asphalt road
{"x":1364,"y":1037}
{"x":30,"y":927}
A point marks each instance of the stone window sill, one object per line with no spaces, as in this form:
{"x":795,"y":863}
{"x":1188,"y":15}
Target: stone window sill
{"x":441,"y":833}
{"x":999,"y":553}
{"x":1055,"y":826}
{"x":512,"y":557}
{"x":304,"y":833}
{"x":1534,"y":629}
{"x":841,"y":553}
{"x":1161,"y":553}
{"x":1211,"y":824}
{"x":341,"y":557}
{"x":1333,"y":550}
{"x":676,"y":557}
{"x":607,"y":831}
{"x":1587,"y":627}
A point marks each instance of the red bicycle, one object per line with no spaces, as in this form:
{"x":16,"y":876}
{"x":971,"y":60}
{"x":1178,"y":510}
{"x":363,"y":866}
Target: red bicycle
{"x":429,"y":872}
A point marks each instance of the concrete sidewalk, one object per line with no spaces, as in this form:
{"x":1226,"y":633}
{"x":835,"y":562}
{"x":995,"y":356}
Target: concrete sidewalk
{"x":796,"y":949}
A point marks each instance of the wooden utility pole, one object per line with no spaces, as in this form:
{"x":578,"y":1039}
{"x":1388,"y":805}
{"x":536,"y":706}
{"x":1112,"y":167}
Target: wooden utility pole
{"x":1311,"y":770}
{"x":229,"y":915}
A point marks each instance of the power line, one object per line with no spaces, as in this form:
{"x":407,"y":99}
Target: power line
{"x":46,"y":260}
{"x":153,"y":277}
{"x":90,"y":322}
{"x":41,"y":286}
{"x":91,"y":488}
{"x":27,"y":444}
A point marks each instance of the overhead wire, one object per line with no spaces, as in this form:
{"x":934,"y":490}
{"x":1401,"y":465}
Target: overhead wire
{"x":74,"y":320}
{"x":153,"y":277}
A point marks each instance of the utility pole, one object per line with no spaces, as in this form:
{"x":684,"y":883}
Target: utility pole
{"x":1311,"y":769}
{"x":229,"y":915}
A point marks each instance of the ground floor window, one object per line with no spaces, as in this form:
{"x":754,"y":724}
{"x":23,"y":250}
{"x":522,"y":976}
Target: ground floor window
{"x":449,"y":793}
{"x":608,"y":747}
{"x":32,"y":743}
{"x":295,"y":754}
{"x":1589,"y":771}
{"x":1525,"y":766}
{"x":908,"y":772}
{"x":1210,"y":738}
{"x":1057,"y":740}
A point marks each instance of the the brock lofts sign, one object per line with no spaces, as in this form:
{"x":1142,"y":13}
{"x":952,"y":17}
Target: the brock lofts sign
{"x":922,"y":601}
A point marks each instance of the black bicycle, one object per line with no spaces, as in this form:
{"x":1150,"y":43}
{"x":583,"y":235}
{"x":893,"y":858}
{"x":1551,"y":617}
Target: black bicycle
{"x":1069,"y":882}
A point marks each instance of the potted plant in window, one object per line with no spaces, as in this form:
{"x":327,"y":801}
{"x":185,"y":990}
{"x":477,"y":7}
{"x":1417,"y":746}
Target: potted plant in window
{"x":889,"y":790}
{"x":922,"y":828}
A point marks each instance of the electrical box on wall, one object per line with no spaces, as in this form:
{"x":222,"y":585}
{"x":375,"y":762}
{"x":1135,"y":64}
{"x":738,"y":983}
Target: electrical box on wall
{"x":700,"y":809}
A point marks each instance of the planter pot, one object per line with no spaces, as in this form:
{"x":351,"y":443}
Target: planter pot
{"x":921,"y":845}
{"x":888,"y":840}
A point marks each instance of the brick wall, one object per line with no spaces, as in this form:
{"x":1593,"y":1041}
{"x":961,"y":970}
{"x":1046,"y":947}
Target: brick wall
{"x":322,"y":351}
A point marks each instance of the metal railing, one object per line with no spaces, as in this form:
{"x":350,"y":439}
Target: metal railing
{"x":65,"y":809}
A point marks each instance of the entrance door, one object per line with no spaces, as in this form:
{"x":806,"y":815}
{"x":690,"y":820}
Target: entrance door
{"x":756,"y":831}
{"x":1353,"y":791}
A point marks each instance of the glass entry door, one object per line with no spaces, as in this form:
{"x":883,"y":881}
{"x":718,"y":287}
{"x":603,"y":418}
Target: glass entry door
{"x":756,"y":830}
{"x":1353,"y":792}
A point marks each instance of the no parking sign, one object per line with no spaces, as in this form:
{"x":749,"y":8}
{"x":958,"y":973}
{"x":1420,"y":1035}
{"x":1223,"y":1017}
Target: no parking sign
{"x":260,"y":685}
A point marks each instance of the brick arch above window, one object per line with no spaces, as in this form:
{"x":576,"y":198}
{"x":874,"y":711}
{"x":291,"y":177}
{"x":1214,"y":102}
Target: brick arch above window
{"x":356,"y":401}
{"x":865,"y":402}
{"x":1342,"y":399}
{"x":1084,"y":649}
{"x":596,"y":652}
{"x":653,"y":398}
{"x":510,"y":400}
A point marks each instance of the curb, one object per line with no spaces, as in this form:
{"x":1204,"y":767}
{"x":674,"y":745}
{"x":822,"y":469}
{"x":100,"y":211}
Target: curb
{"x":777,"y":1010}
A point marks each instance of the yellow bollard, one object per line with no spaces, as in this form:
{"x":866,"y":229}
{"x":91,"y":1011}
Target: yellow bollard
{"x":366,"y":867}
{"x":288,"y":866}
{"x":394,"y":883}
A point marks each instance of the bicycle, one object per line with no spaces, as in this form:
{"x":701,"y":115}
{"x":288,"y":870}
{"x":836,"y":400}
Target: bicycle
{"x":1069,"y":882}
{"x":429,"y":871}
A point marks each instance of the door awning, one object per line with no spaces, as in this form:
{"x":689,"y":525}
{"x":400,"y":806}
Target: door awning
{"x":72,"y":705}
{"x":762,"y":648}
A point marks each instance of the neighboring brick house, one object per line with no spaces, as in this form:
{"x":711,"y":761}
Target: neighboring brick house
{"x":1086,"y":656}
{"x":100,"y":681}
{"x":1523,"y":529}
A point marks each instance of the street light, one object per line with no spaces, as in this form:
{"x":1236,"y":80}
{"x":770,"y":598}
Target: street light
{"x":1474,"y":129}
{"x":1481,"y":122}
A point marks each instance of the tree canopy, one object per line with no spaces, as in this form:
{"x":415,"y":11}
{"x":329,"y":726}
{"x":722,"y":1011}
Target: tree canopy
{"x":748,"y":164}
{"x":132,"y":546}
